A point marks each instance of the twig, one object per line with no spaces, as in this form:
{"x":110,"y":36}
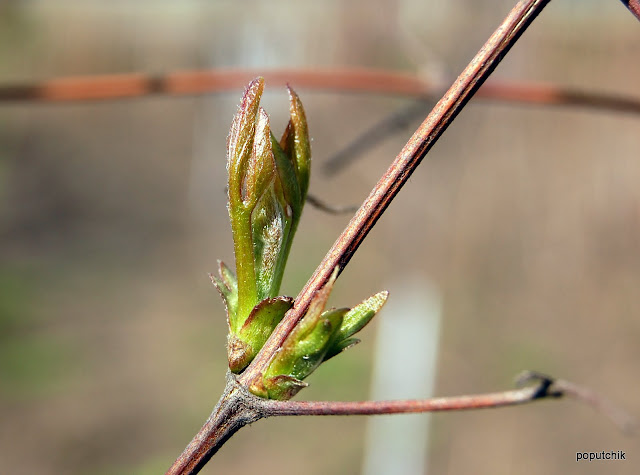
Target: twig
{"x":235,"y":409}
{"x":238,"y":407}
{"x":633,"y":6}
{"x":330,"y":209}
{"x":134,"y":85}
{"x":540,"y":386}
{"x":374,"y":135}
{"x":453,"y":403}
{"x":625,"y":422}
{"x":358,"y":80}
{"x":511,"y":92}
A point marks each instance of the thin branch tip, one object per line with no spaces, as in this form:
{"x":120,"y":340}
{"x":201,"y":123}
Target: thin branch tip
{"x":554,"y":387}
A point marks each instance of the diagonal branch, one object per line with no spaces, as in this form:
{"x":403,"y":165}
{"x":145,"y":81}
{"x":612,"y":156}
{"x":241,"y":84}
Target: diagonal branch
{"x":500,"y":91}
{"x":633,"y":6}
{"x":399,"y":172}
{"x":374,"y":135}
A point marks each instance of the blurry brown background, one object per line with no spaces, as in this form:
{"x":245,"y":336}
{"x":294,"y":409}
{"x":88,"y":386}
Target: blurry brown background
{"x":112,"y":214}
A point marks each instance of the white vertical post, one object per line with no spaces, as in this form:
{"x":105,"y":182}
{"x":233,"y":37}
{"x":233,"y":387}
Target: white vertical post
{"x":404,"y":368}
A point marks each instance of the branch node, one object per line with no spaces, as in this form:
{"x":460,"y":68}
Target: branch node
{"x":544,"y":382}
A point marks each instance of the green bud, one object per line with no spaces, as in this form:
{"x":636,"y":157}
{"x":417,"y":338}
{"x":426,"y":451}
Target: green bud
{"x":228,"y":288}
{"x":318,"y":336}
{"x":355,"y":320}
{"x":268,"y":182}
{"x":295,"y":144}
{"x":282,"y":387}
{"x":246,"y":343}
{"x":304,"y":348}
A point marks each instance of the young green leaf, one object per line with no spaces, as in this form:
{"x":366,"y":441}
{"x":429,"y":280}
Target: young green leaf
{"x":318,"y":336}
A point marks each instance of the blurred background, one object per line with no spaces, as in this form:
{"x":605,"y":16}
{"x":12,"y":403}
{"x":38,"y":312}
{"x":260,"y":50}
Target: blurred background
{"x":526,"y":221}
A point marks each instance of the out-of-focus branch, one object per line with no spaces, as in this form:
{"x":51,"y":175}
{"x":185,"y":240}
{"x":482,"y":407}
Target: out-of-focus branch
{"x":374,"y":135}
{"x":633,"y":6}
{"x":358,"y":80}
{"x":502,"y":92}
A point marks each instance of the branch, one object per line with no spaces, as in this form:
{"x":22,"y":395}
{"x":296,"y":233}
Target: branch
{"x":359,"y":80}
{"x":330,"y":209}
{"x":373,"y":136}
{"x":633,"y":6}
{"x":619,"y":417}
{"x":238,"y":407}
{"x":235,"y":409}
{"x":542,"y":387}
{"x":510,"y":92}
{"x":399,"y":172}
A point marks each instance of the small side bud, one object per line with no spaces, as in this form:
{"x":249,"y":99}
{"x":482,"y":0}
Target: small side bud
{"x":244,"y":345}
{"x":227,"y":285}
{"x":354,"y":321}
{"x":318,"y":336}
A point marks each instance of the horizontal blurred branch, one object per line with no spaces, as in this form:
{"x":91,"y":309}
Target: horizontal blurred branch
{"x":359,"y":80}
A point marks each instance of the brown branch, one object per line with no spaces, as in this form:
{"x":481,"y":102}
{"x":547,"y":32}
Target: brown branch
{"x":127,"y":86}
{"x":360,"y":80}
{"x":549,"y":94}
{"x":453,"y":403}
{"x":541,"y":386}
{"x":238,"y":407}
{"x":633,"y":6}
{"x":399,"y":172}
{"x":619,"y":417}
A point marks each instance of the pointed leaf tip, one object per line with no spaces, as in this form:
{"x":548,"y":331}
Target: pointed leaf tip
{"x":296,"y":141}
{"x":261,"y":166}
{"x":240,"y":138}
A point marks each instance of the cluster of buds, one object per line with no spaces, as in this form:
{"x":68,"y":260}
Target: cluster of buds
{"x":268,"y":183}
{"x":321,"y":334}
